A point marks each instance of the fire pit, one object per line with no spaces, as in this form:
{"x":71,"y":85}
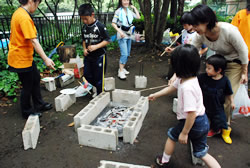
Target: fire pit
{"x":102,"y":121}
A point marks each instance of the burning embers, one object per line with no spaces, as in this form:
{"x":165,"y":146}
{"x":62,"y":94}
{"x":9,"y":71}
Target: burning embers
{"x":115,"y":118}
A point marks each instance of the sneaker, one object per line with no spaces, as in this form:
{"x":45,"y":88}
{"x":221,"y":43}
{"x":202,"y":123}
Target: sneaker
{"x":125,"y":71}
{"x":159,"y":163}
{"x":94,"y":92}
{"x":121,"y":75}
{"x":211,"y":133}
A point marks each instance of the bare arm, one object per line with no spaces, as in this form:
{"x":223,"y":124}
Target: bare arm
{"x":231,"y":100}
{"x":183,"y":137}
{"x":118,"y":30}
{"x":136,"y":12}
{"x":38,"y":48}
{"x":244,"y":76}
{"x":97,"y":46}
{"x":165,"y":91}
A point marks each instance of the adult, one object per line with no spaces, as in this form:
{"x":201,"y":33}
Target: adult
{"x":122,"y":22}
{"x":242,"y":21}
{"x":23,"y":41}
{"x":225,"y":39}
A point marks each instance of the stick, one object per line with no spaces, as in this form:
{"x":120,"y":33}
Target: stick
{"x":171,"y":44}
{"x":83,"y":86}
{"x":157,"y":87}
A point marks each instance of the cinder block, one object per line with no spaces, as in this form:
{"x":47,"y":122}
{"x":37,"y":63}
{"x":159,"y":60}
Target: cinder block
{"x":195,"y":160}
{"x":92,"y":110}
{"x":142,"y":105}
{"x":125,"y":97}
{"x":64,"y":101}
{"x":31,"y":132}
{"x":65,"y":80}
{"x":175,"y":104}
{"x":50,"y":85}
{"x":109,"y":84}
{"x":111,"y":164}
{"x":140,"y":81}
{"x":132,"y":127}
{"x":98,"y":137}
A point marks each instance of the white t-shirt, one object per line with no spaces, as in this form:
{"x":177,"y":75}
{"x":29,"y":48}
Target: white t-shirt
{"x":187,"y":37}
{"x":189,"y":98}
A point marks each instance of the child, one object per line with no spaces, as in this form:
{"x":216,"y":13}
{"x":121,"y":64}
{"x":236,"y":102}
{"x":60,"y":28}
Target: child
{"x":215,"y":88}
{"x":193,"y":122}
{"x":95,"y":38}
{"x":187,"y":36}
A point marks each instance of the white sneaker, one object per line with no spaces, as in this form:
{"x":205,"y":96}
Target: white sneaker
{"x":125,"y":71}
{"x":94,"y":94}
{"x":121,"y":74}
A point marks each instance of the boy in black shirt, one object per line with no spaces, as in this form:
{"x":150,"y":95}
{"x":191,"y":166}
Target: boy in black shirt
{"x":95,"y":38}
{"x":215,"y":89}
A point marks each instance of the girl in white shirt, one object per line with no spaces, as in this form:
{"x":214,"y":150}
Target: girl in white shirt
{"x":193,"y":123}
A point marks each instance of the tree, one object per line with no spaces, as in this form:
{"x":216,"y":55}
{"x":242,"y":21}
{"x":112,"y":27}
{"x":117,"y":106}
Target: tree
{"x":154,"y":29}
{"x":204,"y":2}
{"x":173,"y":10}
{"x":180,"y":7}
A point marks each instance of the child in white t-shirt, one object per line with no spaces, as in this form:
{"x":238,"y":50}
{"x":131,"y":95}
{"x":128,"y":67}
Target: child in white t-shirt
{"x":193,"y":123}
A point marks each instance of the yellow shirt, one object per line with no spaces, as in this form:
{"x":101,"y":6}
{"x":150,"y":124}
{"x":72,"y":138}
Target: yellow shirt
{"x":20,"y":47}
{"x":242,"y":21}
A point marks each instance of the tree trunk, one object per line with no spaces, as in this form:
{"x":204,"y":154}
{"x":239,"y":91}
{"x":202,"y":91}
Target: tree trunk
{"x":180,"y":7}
{"x":173,"y":10}
{"x":149,"y":41}
{"x":163,"y":21}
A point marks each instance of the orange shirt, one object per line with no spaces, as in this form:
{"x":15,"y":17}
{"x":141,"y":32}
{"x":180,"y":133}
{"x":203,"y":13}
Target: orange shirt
{"x":242,"y":21}
{"x":20,"y":47}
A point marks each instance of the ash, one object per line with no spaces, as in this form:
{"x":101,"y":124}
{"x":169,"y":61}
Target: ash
{"x":115,"y":118}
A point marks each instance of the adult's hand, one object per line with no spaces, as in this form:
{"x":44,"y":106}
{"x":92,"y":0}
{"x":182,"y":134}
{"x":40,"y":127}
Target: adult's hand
{"x":85,"y":52}
{"x":244,"y":78}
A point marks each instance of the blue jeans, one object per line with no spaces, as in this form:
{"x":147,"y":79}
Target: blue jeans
{"x":197,"y":134}
{"x":125,"y":48}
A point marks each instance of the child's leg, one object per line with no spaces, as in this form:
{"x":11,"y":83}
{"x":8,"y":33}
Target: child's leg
{"x":168,"y":150}
{"x":210,"y":161}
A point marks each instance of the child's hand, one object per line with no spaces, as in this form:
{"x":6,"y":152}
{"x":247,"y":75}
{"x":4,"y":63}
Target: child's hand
{"x":168,"y":49}
{"x":151,"y":97}
{"x":92,"y":48}
{"x":85,"y":52}
{"x":233,"y":106}
{"x":183,"y":138}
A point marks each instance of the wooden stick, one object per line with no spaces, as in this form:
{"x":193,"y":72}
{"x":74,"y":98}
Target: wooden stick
{"x":171,"y":44}
{"x":157,"y":87}
{"x":83,"y":87}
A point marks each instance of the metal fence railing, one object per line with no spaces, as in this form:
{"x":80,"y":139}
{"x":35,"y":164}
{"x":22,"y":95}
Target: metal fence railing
{"x":50,"y":32}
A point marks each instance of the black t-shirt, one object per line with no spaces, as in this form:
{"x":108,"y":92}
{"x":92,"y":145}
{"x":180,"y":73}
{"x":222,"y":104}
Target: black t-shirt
{"x":95,"y":34}
{"x":214,"y":91}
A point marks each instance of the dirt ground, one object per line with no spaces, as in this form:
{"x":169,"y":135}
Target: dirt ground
{"x":58,"y":144}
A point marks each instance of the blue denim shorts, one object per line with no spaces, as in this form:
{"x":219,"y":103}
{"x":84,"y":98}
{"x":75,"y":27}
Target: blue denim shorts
{"x":197,"y":134}
{"x":125,"y":48}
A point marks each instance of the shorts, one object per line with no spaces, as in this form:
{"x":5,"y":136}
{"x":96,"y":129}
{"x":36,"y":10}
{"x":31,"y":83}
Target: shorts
{"x":197,"y":134}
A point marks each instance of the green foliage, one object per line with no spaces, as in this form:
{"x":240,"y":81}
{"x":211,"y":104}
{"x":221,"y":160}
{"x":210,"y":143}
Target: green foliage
{"x":112,"y":45}
{"x":224,"y":18}
{"x":8,"y":83}
{"x":174,"y":26}
{"x":111,"y":30}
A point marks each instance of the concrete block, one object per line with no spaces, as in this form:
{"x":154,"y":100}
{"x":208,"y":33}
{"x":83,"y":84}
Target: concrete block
{"x":140,"y":81}
{"x":92,"y":110}
{"x":31,"y":132}
{"x":109,"y":84}
{"x":195,"y":160}
{"x":132,"y":127}
{"x":125,"y":97}
{"x":98,"y":137}
{"x":175,"y":103}
{"x":64,"y":101}
{"x":111,"y":164}
{"x":142,"y":105}
{"x":50,"y":85}
{"x":65,"y":80}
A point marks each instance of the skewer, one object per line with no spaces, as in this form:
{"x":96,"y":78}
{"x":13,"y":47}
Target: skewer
{"x":157,"y":87}
{"x":83,"y":87}
{"x":171,"y":44}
